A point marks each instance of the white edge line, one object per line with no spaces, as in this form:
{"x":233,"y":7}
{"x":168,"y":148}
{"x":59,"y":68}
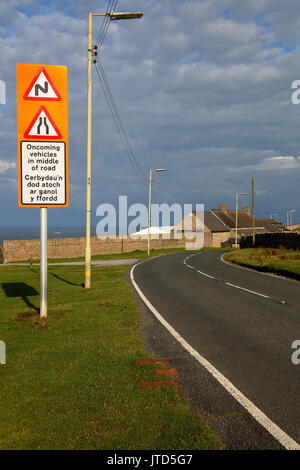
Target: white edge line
{"x":285,"y":440}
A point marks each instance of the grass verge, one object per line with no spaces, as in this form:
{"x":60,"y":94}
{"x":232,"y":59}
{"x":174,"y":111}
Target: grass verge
{"x":74,"y":384}
{"x":278,"y":261}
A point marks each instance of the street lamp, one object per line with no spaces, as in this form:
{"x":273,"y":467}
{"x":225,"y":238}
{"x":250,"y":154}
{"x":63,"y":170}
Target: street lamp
{"x":237,"y":196}
{"x":158,"y":170}
{"x":91,"y":54}
{"x":289,"y":216}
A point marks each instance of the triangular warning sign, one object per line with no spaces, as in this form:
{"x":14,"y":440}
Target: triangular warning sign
{"x":42,"y":88}
{"x":42,"y":126}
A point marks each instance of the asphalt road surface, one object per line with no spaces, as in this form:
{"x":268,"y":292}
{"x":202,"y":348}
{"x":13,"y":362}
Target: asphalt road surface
{"x":229,"y":331}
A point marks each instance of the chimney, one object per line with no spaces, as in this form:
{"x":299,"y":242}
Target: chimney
{"x":222,"y":207}
{"x":246,"y":209}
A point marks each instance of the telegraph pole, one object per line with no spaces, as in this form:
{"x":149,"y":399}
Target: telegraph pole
{"x":91,"y":53}
{"x":149,"y":210}
{"x":89,"y":157}
{"x":253,"y":214}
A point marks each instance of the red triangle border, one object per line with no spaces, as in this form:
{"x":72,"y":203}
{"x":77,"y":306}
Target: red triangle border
{"x":43,"y":137}
{"x":41,"y":70}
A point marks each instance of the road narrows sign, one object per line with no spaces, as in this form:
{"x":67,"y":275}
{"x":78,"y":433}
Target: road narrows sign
{"x":42,"y":102}
{"x":42,"y":126}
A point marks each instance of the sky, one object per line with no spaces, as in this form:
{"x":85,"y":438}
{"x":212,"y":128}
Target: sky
{"x":204,"y":89}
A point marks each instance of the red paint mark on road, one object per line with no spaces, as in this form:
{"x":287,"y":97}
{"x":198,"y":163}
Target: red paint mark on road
{"x":166,"y":372}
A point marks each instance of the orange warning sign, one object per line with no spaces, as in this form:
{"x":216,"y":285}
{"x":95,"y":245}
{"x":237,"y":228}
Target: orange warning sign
{"x":42,"y":108}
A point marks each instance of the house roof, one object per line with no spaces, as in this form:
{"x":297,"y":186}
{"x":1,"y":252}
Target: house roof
{"x":228,"y":217}
{"x":223,"y":220}
{"x":271,"y":225}
{"x":214,"y":223}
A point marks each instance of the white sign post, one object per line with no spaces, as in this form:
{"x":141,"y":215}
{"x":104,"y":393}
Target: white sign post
{"x":43,"y":266}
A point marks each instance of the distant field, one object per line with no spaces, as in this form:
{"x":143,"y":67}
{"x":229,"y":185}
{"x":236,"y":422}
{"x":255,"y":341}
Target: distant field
{"x":74,"y":384}
{"x":282,"y":262}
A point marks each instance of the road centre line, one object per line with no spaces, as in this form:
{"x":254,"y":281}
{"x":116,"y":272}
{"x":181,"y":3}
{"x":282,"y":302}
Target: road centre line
{"x":248,"y":290}
{"x":227,"y":283}
{"x":204,"y":274}
{"x":281,"y":436}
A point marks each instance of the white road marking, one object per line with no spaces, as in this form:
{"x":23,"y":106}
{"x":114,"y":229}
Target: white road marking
{"x":227,"y":283}
{"x":204,"y":274}
{"x":248,"y":290}
{"x":285,"y":440}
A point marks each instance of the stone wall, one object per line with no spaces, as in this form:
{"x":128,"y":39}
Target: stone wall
{"x":218,"y":238}
{"x":58,"y":248}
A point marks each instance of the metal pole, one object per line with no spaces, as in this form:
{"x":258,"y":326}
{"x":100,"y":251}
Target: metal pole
{"x":149,"y":209}
{"x":253,"y":213}
{"x":236,"y":218}
{"x":89,"y":158}
{"x":43,"y":263}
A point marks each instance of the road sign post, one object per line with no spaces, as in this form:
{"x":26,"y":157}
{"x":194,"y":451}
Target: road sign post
{"x":43,"y":264}
{"x":42,"y":108}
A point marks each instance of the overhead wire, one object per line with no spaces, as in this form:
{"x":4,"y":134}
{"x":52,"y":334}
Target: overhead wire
{"x":117,"y":119}
{"x":106,"y":22}
{"x":112,"y":104}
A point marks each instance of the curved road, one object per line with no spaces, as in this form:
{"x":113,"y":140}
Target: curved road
{"x":241,"y":324}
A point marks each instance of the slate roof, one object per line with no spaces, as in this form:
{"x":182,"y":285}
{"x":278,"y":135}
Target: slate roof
{"x":214,"y":223}
{"x":271,"y":225}
{"x":223,"y":220}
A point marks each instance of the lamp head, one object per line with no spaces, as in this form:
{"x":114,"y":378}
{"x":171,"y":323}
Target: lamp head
{"x":125,"y":16}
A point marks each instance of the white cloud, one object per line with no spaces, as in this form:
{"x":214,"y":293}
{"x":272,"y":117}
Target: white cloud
{"x":4,"y":166}
{"x":201,"y":91}
{"x":273,"y":164}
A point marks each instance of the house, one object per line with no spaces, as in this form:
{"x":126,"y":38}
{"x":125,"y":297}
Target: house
{"x":220,"y":225}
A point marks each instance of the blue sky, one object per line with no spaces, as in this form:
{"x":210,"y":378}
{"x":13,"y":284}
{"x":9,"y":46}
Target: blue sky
{"x":203,"y":88}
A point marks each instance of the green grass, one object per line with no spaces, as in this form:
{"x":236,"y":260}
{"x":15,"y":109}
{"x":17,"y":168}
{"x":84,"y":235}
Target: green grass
{"x":279,"y":261}
{"x":74,"y":384}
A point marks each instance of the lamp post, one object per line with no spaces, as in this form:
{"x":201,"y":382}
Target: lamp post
{"x":91,"y":54}
{"x":289,"y":217}
{"x":158,"y":170}
{"x":237,"y":196}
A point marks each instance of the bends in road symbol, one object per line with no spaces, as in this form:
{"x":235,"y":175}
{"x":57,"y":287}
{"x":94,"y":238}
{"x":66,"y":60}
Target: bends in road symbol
{"x":42,"y":88}
{"x":42,"y":125}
